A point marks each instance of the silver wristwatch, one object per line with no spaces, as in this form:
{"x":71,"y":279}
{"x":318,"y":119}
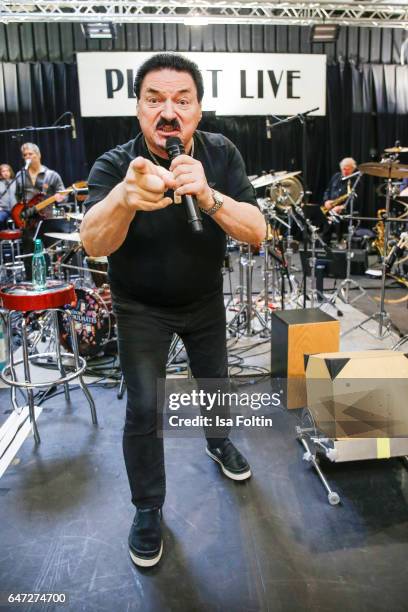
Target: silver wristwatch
{"x":218,"y":202}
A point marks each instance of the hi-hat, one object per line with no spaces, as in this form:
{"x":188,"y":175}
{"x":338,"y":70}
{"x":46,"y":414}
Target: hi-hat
{"x":68,"y":237}
{"x":75,"y":215}
{"x":286,"y":192}
{"x":396,"y":150}
{"x":262,"y":181}
{"x":385,"y":169}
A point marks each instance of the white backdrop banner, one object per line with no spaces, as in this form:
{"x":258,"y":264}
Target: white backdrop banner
{"x":235,"y":83}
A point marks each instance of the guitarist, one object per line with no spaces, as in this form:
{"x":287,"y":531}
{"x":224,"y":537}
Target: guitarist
{"x":336,"y":188}
{"x":36,"y":179}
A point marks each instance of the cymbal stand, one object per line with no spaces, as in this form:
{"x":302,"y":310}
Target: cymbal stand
{"x":269,"y":267}
{"x":344,"y":288}
{"x":246,"y":310}
{"x":295,"y":205}
{"x":317,"y":299}
{"x":312,"y":264}
{"x":381,"y":316}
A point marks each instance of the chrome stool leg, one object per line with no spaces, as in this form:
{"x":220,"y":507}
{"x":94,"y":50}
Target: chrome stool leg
{"x":11,"y":357}
{"x":82,"y":383}
{"x":27,"y":376}
{"x":58,"y":353}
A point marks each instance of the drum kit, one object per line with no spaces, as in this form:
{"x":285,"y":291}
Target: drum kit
{"x":283,"y":193}
{"x":390,"y":170}
{"x":286,"y":214}
{"x":93,"y":316}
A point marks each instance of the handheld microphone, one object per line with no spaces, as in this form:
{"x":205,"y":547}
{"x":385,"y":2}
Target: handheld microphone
{"x":73,"y":128}
{"x":174,"y":148}
{"x":27,"y":164}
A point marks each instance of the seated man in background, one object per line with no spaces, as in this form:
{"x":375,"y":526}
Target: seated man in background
{"x":335,"y":189}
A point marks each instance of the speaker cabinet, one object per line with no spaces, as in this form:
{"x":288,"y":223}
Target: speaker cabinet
{"x":296,"y":333}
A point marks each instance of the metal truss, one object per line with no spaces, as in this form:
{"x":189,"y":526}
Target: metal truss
{"x":370,"y":13}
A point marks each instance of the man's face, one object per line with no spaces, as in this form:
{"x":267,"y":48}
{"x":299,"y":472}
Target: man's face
{"x":30,"y":154}
{"x":168,"y":106}
{"x":347,"y":169}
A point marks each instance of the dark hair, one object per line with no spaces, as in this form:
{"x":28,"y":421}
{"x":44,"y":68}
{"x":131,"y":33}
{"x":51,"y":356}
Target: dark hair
{"x":173,"y":62}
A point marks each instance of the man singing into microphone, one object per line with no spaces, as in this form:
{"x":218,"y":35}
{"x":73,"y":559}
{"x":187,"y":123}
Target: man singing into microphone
{"x":166,"y":278}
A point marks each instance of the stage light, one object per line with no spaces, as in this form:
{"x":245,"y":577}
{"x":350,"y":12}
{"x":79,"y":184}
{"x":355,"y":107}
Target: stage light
{"x":195,"y":21}
{"x":99,"y":30}
{"x":324,"y":33}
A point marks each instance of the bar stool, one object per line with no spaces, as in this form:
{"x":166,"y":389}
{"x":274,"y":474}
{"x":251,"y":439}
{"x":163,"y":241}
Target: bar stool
{"x":10,"y":240}
{"x":22,"y":299}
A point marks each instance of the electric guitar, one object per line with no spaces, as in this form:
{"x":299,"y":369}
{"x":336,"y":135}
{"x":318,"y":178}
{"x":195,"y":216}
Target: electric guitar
{"x":21,"y":212}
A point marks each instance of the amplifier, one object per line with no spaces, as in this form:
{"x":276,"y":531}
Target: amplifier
{"x":335,"y":262}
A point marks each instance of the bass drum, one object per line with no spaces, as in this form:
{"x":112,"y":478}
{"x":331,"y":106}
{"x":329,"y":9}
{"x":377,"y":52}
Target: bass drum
{"x":94,"y":323}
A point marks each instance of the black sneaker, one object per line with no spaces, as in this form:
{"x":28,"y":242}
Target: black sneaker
{"x":233,"y":464}
{"x":145,"y":539}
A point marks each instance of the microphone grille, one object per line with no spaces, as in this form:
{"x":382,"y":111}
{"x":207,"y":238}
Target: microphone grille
{"x":174,"y":146}
{"x":173,"y":141}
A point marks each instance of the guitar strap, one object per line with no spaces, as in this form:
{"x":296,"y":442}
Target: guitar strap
{"x":40,"y":181}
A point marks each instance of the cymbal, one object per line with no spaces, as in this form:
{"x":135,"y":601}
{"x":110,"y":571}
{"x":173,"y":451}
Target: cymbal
{"x":262,"y":181}
{"x":80,"y":185}
{"x":287,"y":175}
{"x":74,"y":215}
{"x":385,"y":169}
{"x":396,"y":150}
{"x":286,"y":191}
{"x":271,"y":179}
{"x":68,"y":237}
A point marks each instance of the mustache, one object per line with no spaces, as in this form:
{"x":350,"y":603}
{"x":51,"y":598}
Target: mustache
{"x":174,"y":124}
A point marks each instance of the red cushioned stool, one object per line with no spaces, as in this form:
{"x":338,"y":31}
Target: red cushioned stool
{"x":22,"y":299}
{"x":10,"y":243}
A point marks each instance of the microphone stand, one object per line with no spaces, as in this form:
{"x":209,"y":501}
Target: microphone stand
{"x":18,"y":134}
{"x":302,"y":118}
{"x":344,"y":288}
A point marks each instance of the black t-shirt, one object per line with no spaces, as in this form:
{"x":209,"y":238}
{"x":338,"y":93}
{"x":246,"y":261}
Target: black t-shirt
{"x":162,"y":262}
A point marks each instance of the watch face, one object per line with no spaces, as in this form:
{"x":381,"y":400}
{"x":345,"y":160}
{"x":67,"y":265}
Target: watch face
{"x":218,"y":199}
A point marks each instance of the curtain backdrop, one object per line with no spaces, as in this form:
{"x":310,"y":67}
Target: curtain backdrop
{"x":367,"y":110}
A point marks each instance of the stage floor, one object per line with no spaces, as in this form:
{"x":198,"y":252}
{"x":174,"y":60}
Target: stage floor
{"x":271,"y":543}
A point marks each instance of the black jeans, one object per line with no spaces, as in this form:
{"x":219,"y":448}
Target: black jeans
{"x":338,"y":228}
{"x":144,"y":334}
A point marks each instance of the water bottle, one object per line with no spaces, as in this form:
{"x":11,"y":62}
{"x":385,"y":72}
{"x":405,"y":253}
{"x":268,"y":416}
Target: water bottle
{"x":39,"y":266}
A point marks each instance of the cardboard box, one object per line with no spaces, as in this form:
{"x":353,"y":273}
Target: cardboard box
{"x":359,"y":394}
